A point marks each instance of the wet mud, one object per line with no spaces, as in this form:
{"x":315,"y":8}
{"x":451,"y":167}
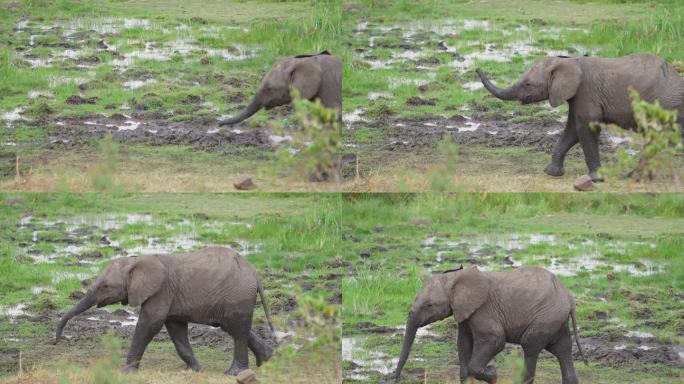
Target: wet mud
{"x":152,"y":129}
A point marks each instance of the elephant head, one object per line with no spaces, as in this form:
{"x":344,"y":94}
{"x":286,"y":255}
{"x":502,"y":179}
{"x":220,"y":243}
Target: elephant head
{"x":455,"y":292}
{"x":551,"y":78}
{"x":126,"y":280}
{"x":302,"y":73}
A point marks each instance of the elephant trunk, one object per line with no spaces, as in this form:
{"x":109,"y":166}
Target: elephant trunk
{"x":503,"y":94}
{"x":249,"y":110}
{"x":85,"y":303}
{"x":409,"y":337}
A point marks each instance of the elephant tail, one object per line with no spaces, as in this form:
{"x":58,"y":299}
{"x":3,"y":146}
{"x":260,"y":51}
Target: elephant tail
{"x":260,"y":287}
{"x":574,"y":328}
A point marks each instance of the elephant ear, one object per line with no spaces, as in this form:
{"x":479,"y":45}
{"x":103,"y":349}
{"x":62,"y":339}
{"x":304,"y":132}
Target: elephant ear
{"x":145,"y":278}
{"x":467,"y":290}
{"x":305,"y":76}
{"x":564,"y":82}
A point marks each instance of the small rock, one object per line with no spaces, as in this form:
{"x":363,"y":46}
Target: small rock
{"x":611,"y":276}
{"x":244,"y":184}
{"x":584,"y":184}
{"x":442,"y":46}
{"x":102,"y":45}
{"x":204,"y":61}
{"x":508,"y":261}
{"x":246,"y":377}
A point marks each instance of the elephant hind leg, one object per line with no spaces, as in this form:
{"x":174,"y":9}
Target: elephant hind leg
{"x":562,"y":349}
{"x":262,"y":352}
{"x":239,"y":328}
{"x":178,"y":331}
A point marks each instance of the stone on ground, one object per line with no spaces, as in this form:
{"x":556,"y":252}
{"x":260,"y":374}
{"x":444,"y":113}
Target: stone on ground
{"x":244,"y":184}
{"x":247,"y":377}
{"x":584,"y":184}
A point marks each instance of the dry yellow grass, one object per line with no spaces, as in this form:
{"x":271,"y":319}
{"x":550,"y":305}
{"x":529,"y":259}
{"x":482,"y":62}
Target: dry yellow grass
{"x":381,"y":172}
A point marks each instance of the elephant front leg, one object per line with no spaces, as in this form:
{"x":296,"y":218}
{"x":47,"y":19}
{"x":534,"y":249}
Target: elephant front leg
{"x":145,"y":330}
{"x":531,"y":357}
{"x":567,"y":140}
{"x":589,"y":139}
{"x":178,"y":331}
{"x":465,"y":350}
{"x":261,"y":350}
{"x":483,"y":352}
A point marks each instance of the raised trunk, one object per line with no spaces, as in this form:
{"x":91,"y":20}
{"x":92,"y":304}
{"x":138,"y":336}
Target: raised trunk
{"x":249,"y":110}
{"x":409,"y":336}
{"x":503,"y":94}
{"x":85,"y":303}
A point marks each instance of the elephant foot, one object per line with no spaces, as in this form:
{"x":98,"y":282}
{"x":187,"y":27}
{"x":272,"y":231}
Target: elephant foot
{"x":554,"y":170}
{"x":235,"y":369}
{"x":490,"y":372}
{"x":595,"y":177}
{"x":265,"y":356}
{"x":130,"y":368}
{"x":194,"y":367}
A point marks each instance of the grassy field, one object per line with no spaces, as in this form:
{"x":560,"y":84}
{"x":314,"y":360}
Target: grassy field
{"x":619,"y":255}
{"x":51,"y":242}
{"x":157,"y":75}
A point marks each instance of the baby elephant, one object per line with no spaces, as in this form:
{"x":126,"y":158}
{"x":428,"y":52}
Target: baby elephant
{"x":314,"y":76}
{"x":214,"y":286}
{"x":528,"y":306}
{"x":597,"y":90}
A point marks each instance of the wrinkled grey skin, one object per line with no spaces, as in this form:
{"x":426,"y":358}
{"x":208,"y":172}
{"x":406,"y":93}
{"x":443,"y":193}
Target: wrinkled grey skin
{"x":597,"y":90}
{"x":214,"y":286}
{"x":314,"y":76}
{"x":527,"y":306}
